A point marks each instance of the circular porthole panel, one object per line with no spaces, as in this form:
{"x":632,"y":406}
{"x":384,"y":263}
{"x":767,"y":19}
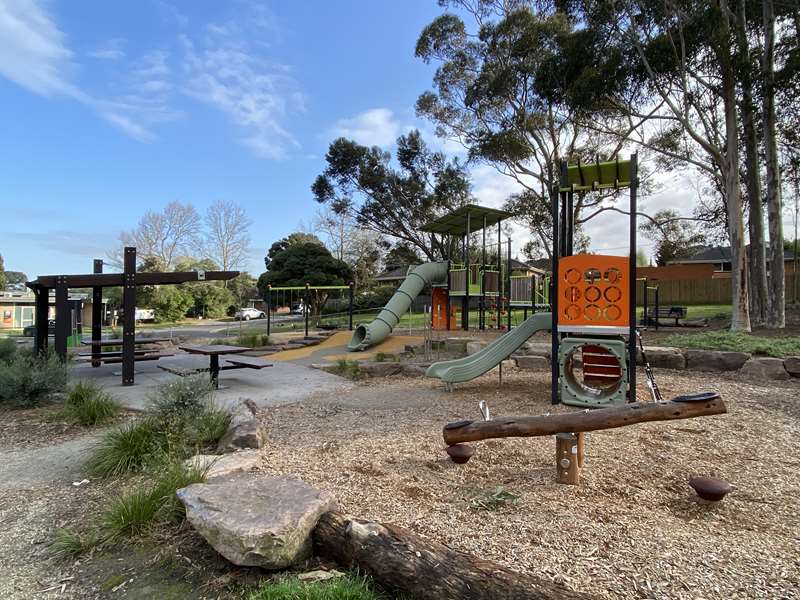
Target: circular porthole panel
{"x":592,"y":312}
{"x":572,"y":294}
{"x":592,"y":293}
{"x":592,"y":373}
{"x":612,"y":294}
{"x":613,"y":276}
{"x":572,"y":276}
{"x":573,"y":312}
{"x":612,"y":313}
{"x":592,"y":275}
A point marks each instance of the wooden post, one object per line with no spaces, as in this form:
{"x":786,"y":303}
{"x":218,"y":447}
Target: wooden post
{"x":581,"y":445}
{"x":567,"y":464}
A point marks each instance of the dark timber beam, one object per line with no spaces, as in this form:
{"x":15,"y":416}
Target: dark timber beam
{"x":42,"y":319}
{"x":63,"y":318}
{"x":129,"y":316}
{"x":117,"y":279}
{"x":97,"y":315}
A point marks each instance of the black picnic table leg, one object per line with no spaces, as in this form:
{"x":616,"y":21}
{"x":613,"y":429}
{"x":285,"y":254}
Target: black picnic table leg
{"x":215,"y":371}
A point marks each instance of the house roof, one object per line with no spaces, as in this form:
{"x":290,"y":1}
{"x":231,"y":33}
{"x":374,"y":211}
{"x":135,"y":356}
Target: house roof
{"x":393,"y":274}
{"x":455,"y":222}
{"x":717,"y":254}
{"x":518,"y":265}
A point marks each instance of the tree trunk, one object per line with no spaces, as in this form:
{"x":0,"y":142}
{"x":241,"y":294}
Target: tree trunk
{"x":740,"y":309}
{"x":776,"y":312}
{"x":400,"y":559}
{"x":574,"y":422}
{"x":757,"y":257}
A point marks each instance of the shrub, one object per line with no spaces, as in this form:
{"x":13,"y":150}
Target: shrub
{"x":176,"y":399}
{"x":26,"y":380}
{"x":88,"y":404}
{"x":252,"y":340}
{"x":143,"y":507}
{"x":127,"y":449}
{"x":8,"y":348}
{"x":348,"y":587}
{"x":68,"y":543}
{"x":207,"y":427}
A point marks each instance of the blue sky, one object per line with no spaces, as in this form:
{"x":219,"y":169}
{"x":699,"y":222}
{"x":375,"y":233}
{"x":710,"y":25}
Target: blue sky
{"x":114,"y":108}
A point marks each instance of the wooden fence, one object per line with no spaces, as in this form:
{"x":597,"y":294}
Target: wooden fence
{"x":700,"y":291}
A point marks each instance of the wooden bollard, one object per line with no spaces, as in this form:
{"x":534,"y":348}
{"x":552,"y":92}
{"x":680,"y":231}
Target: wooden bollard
{"x":567,"y":459}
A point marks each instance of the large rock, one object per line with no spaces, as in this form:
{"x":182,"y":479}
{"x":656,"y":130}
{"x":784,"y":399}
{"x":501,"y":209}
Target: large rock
{"x":243,"y":431}
{"x":764,"y":368}
{"x":661,"y":357}
{"x":257,"y":521}
{"x":380,"y":369}
{"x":792,"y":365}
{"x":532,"y":363}
{"x":715,"y":360}
{"x":473,"y":347}
{"x":538,"y":349}
{"x":221,"y":465}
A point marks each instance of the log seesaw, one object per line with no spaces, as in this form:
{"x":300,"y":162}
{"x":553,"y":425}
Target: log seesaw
{"x":570,"y":427}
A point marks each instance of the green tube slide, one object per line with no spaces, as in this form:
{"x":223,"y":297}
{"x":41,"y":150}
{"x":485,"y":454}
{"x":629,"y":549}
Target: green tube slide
{"x":373,"y":333}
{"x":474,"y":365}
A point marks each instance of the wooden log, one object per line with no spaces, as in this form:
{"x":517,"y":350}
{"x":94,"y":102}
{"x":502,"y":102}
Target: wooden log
{"x":581,"y":446}
{"x":400,"y":559}
{"x":568,"y":468}
{"x":573,"y":422}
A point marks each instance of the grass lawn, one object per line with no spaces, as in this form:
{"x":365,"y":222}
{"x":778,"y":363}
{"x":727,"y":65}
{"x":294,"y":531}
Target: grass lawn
{"x":742,"y":342}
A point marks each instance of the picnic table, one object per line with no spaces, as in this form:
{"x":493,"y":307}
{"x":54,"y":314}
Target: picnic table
{"x":97,"y":356}
{"x":214,"y":351}
{"x":118,"y":341}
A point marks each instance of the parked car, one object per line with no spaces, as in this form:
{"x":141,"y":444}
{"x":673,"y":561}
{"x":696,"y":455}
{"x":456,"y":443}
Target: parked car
{"x":297,"y":309}
{"x":245,"y":314}
{"x":30,"y":330}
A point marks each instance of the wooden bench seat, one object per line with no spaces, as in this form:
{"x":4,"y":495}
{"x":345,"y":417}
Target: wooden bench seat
{"x":241,"y":361}
{"x":665,"y":312}
{"x":118,"y":359}
{"x":115,"y":353}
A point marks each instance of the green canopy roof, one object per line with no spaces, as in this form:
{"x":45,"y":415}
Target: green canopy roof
{"x":455,"y":222}
{"x":598,"y":175}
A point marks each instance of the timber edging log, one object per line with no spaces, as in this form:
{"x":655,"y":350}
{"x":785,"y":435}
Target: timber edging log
{"x":400,"y":559}
{"x":575,"y":422}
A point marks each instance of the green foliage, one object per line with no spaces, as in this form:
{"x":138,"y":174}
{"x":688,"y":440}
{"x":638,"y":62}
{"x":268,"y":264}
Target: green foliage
{"x":376,"y":297}
{"x":347,"y":368}
{"x":384,"y":357}
{"x":171,"y":303}
{"x":293,"y":239}
{"x":401,"y":255}
{"x":741,"y":342}
{"x":492,"y":500}
{"x":180,"y":397}
{"x":88,"y":404}
{"x":26,"y":380}
{"x":135,"y":512}
{"x":70,"y":544}
{"x":675,"y":239}
{"x":3,"y":278}
{"x":347,"y":587}
{"x":8,"y":348}
{"x":128,"y":448}
{"x":249,"y":340}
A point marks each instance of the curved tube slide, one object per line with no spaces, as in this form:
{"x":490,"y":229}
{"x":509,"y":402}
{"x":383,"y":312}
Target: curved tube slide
{"x":373,"y":333}
{"x":474,"y":365}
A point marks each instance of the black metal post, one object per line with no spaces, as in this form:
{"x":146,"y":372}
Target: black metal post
{"x":350,"y":307}
{"x":97,"y":315}
{"x":42,"y":319}
{"x":632,"y":275}
{"x":482,"y":305}
{"x":465,"y":311}
{"x":499,"y":307}
{"x":656,"y":306}
{"x":305,"y":307}
{"x":645,"y":316}
{"x":554,"y":335}
{"x":129,"y":316}
{"x":269,"y":309}
{"x":570,"y":220}
{"x":63,"y":319}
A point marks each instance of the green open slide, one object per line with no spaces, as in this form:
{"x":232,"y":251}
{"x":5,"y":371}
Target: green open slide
{"x":475,"y":365}
{"x":378,"y":330}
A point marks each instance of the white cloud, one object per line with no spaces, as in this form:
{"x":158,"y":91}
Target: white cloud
{"x":33,"y":51}
{"x":227,"y":69}
{"x":374,"y":127}
{"x":109,"y":50}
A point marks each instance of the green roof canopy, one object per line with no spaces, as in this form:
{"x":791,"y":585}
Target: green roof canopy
{"x":598,"y":175}
{"x":455,"y":222}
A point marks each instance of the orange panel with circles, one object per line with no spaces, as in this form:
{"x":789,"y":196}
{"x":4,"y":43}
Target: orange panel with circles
{"x":593,"y":290}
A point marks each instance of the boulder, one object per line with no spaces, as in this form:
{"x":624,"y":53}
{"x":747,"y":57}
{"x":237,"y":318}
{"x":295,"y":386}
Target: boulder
{"x":532,"y":363}
{"x":415,"y":370}
{"x":454,"y":344}
{"x":220,"y":465}
{"x":244,"y":430}
{"x":473,"y":347}
{"x":380,"y":369}
{"x":715,"y":360}
{"x":256,"y":521}
{"x":661,"y":357}
{"x":538,"y":349}
{"x":792,"y":365}
{"x":764,"y":368}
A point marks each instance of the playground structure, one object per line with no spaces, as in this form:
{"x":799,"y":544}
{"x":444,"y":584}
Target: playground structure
{"x":592,"y":321}
{"x":129,"y":279}
{"x":482,"y":274}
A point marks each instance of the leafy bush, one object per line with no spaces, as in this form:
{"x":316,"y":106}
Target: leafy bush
{"x":377,"y":297}
{"x":180,"y":397}
{"x":347,"y":587}
{"x":207,"y":427}
{"x":252,"y":340}
{"x":8,"y":348}
{"x":88,"y":404}
{"x":126,"y":449}
{"x":143,"y":507}
{"x":26,"y":380}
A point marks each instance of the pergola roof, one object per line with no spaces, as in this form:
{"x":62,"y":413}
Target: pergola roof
{"x":455,"y":222}
{"x":597,"y":175}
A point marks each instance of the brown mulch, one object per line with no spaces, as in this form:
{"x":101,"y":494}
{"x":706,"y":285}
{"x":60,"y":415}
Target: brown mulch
{"x":632,"y":529}
{"x":35,"y":428}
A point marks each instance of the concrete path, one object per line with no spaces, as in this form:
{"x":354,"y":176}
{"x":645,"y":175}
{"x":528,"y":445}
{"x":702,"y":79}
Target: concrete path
{"x":37,"y":466}
{"x":283,"y":383}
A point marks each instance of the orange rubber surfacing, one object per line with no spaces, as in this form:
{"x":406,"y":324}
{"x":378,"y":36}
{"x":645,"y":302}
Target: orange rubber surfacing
{"x":593,"y":290}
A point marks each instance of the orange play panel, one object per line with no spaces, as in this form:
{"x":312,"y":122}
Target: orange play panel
{"x":593,"y":290}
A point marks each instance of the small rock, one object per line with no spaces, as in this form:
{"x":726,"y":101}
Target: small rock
{"x":764,"y":368}
{"x":532,"y":363}
{"x":257,"y":521}
{"x":320,"y":575}
{"x":792,"y":365}
{"x":244,"y":430}
{"x":220,"y":465}
{"x":715,"y":360}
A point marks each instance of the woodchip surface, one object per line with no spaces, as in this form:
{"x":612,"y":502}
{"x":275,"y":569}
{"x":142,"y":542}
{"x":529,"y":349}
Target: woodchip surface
{"x":632,"y":529}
